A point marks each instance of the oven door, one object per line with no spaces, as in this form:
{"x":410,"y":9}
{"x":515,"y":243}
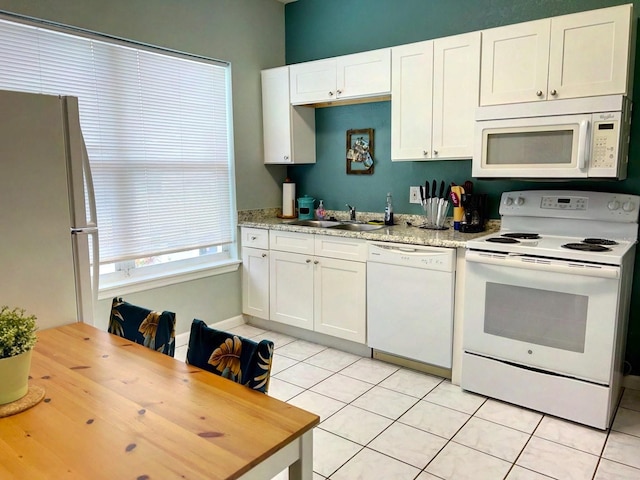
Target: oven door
{"x":553,"y":315}
{"x":538,"y":147}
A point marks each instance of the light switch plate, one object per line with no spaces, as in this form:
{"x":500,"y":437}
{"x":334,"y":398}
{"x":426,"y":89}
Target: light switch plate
{"x":414,"y":194}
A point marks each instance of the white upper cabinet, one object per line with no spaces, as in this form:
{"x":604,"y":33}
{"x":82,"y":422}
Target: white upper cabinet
{"x":578,"y":55}
{"x":434,"y":95}
{"x":289,"y":132}
{"x":357,"y":76}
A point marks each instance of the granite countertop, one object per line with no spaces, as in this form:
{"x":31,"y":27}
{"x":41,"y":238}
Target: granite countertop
{"x":405,"y":231}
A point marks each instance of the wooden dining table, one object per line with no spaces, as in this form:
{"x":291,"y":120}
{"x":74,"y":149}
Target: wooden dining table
{"x":117,"y":410}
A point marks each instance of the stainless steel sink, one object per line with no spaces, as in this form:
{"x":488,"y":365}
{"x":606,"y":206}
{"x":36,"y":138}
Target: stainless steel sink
{"x":315,"y":223}
{"x":356,"y":227}
{"x":338,"y":225}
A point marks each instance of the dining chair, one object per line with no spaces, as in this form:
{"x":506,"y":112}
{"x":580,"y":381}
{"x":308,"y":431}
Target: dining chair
{"x":154,"y":330}
{"x":230,"y":356}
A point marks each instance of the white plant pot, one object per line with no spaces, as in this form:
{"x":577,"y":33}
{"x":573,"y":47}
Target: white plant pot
{"x":14,"y":372}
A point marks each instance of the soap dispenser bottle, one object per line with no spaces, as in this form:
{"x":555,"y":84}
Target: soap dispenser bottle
{"x":320,"y":211}
{"x":388,"y":211}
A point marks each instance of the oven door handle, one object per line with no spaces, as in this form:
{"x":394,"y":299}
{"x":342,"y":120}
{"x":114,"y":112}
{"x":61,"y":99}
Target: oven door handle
{"x":543,"y":265}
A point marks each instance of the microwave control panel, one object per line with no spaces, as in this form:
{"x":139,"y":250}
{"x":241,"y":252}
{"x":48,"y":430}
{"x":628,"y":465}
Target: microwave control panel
{"x":604,"y":148}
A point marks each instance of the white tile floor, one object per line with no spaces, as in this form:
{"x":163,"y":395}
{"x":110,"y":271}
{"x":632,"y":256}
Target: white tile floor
{"x":380,"y":421}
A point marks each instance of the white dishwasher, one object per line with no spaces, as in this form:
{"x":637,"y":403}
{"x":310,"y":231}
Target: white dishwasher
{"x":410,"y":301}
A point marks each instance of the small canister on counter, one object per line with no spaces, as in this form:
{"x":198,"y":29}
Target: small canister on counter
{"x":458,"y":210}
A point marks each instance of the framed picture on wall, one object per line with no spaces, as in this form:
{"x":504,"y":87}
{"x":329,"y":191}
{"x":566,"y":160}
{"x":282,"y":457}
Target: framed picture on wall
{"x":360,"y":151}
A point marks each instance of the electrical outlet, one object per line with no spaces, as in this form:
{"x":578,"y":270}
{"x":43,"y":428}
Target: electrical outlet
{"x":414,"y":194}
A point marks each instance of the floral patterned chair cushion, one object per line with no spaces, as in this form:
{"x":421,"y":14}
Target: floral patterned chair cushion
{"x":154,"y":330}
{"x":230,"y":356}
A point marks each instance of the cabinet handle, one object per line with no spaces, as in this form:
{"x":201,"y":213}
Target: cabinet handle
{"x":331,"y":94}
{"x":539,"y":93}
{"x":339,"y":92}
{"x":286,"y":157}
{"x":316,"y":262}
{"x":264,"y":255}
{"x":553,"y":92}
{"x":435,"y":152}
{"x":253,"y":237}
{"x":425,"y":153}
{"x":308,"y":260}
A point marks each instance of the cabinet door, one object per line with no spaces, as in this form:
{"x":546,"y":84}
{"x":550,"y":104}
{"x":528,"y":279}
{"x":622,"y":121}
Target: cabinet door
{"x":255,"y":282}
{"x":364,"y":74}
{"x":515,"y":61}
{"x":456,"y":83}
{"x":289,"y":131}
{"x":589,"y":53}
{"x":411,"y":101}
{"x":276,"y":115}
{"x":291,"y":288}
{"x":312,"y":82}
{"x":340,"y":298}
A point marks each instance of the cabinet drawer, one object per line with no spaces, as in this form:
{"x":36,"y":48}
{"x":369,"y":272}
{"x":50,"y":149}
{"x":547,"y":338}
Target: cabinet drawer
{"x":291,"y":242}
{"x":341,"y":248}
{"x":254,"y":237}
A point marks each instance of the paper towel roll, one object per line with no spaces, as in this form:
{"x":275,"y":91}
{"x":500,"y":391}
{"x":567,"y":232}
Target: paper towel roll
{"x":288,"y":199}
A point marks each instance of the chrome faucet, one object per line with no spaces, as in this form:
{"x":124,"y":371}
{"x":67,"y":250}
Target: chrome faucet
{"x":352,"y":212}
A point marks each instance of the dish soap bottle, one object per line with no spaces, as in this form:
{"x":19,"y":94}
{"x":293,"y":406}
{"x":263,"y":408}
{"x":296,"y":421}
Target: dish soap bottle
{"x":388,"y":211}
{"x":320,"y":211}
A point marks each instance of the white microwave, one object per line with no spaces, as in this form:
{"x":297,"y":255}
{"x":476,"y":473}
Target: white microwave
{"x":573,"y":138}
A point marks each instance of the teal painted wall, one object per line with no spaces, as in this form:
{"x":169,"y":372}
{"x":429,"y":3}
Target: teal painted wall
{"x":325,"y":28}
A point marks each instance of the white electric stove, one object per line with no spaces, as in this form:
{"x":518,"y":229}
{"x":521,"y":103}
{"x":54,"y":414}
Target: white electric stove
{"x":546,"y":302}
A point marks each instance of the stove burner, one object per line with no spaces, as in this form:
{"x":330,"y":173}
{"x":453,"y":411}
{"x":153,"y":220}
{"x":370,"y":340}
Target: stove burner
{"x":502,"y":240}
{"x":586,"y":247}
{"x":522,"y":236}
{"x":599,"y":241}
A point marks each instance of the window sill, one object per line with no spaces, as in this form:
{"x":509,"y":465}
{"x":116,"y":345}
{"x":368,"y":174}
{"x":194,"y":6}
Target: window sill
{"x":139,"y":284}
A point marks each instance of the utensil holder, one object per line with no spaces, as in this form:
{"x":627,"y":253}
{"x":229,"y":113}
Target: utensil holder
{"x":435,"y":213}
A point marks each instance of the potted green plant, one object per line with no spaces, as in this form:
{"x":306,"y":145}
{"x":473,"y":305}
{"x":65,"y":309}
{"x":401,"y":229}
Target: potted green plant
{"x":17,"y":338}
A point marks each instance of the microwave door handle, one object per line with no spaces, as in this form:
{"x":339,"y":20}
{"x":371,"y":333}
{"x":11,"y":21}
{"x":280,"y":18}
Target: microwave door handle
{"x":583,"y":144}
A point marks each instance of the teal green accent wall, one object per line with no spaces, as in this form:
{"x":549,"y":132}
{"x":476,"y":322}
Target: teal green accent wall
{"x":325,"y":28}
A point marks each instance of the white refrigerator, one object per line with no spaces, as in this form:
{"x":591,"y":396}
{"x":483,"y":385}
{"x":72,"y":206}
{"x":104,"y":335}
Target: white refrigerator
{"x":48,"y":230}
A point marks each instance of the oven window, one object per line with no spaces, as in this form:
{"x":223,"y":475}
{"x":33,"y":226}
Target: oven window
{"x":543,"y":317}
{"x":527,"y":148}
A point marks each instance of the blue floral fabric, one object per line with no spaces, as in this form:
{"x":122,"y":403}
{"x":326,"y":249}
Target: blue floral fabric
{"x":154,"y":330}
{"x":230,"y":356}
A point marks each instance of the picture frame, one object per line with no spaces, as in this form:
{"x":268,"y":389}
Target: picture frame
{"x":360,"y":151}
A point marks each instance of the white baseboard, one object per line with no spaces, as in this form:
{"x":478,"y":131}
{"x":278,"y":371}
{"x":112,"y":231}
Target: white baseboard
{"x":631,"y":381}
{"x":183,"y":338}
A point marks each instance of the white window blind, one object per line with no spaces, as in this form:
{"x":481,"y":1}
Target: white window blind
{"x":157,"y":129}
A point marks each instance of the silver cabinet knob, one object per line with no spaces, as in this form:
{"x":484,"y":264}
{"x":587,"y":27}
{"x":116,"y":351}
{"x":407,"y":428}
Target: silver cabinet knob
{"x":308,"y":260}
{"x":425,"y":153}
{"x":316,"y":262}
{"x":331,"y":94}
{"x":553,"y":92}
{"x":264,"y":255}
{"x":435,"y":152}
{"x":339,"y":92}
{"x":286,"y":157}
{"x":539,"y":93}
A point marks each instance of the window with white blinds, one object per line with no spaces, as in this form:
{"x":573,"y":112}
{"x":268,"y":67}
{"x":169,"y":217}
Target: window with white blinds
{"x":157,"y":130}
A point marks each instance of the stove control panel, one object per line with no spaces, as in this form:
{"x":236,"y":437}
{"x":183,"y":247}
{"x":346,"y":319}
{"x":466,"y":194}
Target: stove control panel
{"x":564,"y":203}
{"x":571,"y":204}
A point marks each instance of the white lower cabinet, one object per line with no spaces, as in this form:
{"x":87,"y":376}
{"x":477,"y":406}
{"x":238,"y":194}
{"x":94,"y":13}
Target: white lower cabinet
{"x":324,"y":289}
{"x":291,"y":289}
{"x":255,"y":272}
{"x":255,"y":282}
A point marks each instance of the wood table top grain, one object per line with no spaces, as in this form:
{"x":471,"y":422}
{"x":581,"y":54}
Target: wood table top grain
{"x":117,"y":410}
